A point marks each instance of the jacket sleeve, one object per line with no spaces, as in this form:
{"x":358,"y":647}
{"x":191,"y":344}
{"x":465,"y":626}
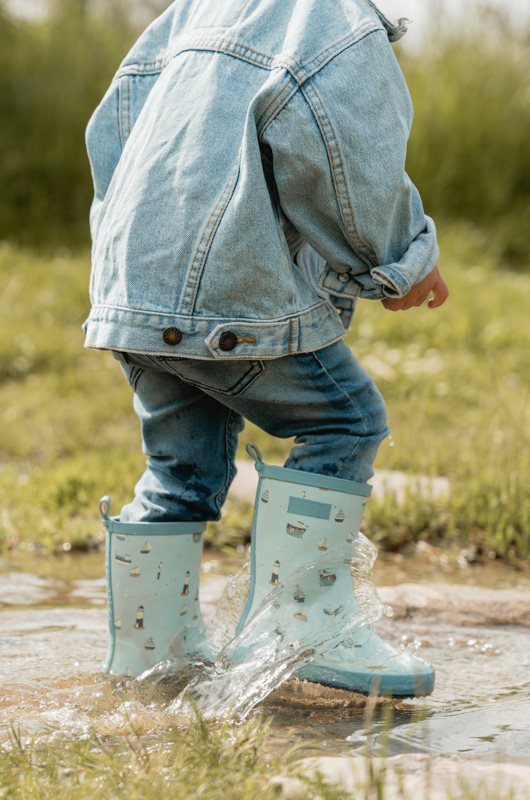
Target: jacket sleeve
{"x":338,"y":148}
{"x":104,"y":147}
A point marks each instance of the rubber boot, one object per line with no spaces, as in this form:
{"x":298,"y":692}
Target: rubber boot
{"x":153,"y":593}
{"x":304,"y":538}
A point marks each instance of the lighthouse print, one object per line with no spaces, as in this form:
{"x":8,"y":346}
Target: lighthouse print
{"x":186,"y":585}
{"x":275,"y":577}
{"x":139,"y":622}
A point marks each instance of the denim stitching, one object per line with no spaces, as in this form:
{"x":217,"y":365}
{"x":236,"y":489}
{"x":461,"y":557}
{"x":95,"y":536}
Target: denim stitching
{"x":352,"y":402}
{"x":193,"y":278}
{"x":229,"y":461}
{"x":342,"y":193}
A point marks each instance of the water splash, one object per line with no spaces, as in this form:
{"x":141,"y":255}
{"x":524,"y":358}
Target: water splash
{"x":278,"y":640}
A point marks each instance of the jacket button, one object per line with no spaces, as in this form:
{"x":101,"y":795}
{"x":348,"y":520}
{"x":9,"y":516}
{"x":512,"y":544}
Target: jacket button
{"x":227,"y":341}
{"x":344,"y":277}
{"x":172,"y":336}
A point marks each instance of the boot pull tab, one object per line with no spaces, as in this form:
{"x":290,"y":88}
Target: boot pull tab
{"x":104,"y":508}
{"x":255,"y":454}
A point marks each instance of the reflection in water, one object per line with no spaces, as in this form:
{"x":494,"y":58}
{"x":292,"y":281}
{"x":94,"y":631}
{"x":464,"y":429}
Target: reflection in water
{"x":50,"y":657}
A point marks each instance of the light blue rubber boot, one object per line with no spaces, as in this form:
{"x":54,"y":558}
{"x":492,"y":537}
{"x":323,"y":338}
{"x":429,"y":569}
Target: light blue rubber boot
{"x":304,"y":542}
{"x":153,"y":593}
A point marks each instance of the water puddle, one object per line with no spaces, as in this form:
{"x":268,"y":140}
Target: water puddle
{"x":53,"y":634}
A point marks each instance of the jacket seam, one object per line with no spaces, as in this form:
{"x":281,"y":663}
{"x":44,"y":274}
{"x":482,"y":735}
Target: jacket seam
{"x":219,"y":320}
{"x":246,"y":53}
{"x":336,"y":162}
{"x":202,"y":250}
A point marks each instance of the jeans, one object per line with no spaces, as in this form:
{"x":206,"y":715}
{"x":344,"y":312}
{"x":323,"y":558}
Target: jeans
{"x":191,"y":413}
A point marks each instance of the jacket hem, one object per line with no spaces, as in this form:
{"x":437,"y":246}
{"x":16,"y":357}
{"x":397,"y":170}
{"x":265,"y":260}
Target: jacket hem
{"x":137,"y":331}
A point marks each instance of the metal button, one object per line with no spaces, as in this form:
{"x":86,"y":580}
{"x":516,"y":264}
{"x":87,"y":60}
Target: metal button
{"x":227,"y":341}
{"x":344,"y":277}
{"x":172,"y":336}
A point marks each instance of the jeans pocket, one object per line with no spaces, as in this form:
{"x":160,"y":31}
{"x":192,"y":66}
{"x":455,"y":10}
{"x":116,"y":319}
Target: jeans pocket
{"x":132,"y":371}
{"x":228,"y":378}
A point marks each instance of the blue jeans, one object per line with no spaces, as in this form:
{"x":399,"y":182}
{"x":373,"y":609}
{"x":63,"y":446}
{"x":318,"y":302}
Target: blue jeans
{"x":191,"y":413}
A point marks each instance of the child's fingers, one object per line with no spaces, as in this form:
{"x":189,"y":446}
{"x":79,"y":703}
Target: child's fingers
{"x":440,"y":294}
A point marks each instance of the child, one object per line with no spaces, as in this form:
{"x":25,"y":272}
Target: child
{"x":248,"y":164}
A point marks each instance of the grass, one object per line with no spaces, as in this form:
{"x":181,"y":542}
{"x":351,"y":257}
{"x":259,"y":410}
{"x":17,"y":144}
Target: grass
{"x":199,"y":760}
{"x":455,"y":381}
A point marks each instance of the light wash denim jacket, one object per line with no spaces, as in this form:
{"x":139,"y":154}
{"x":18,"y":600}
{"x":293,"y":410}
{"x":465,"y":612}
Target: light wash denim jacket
{"x":248,"y":162}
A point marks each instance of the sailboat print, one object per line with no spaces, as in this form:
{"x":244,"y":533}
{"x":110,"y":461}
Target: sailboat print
{"x":323,"y":545}
{"x":149,"y":644}
{"x":340,"y":516}
{"x":266,"y":496}
{"x":134,"y":572}
{"x":146,"y":548}
{"x":297,"y":530}
{"x":124,"y":558}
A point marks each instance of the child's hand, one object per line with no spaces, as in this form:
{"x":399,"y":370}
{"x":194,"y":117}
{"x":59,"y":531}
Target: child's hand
{"x":433,"y":282}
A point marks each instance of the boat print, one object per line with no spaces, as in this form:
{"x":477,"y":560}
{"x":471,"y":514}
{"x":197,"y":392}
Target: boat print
{"x":121,"y":537}
{"x":340,"y":516}
{"x":183,"y":610}
{"x":149,"y":644}
{"x":197,"y":536}
{"x":146,"y":548}
{"x":117,"y":624}
{"x":333,"y":612}
{"x":323,"y":545}
{"x":266,"y":496}
{"x":124,"y":558}
{"x":299,"y":595}
{"x":327,"y":578}
{"x":297,"y":530}
{"x":134,"y":572}
{"x":300,"y":616}
{"x":350,"y":537}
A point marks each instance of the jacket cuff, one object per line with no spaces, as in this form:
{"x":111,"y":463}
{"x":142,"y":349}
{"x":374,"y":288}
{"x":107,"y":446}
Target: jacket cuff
{"x":390,"y":280}
{"x":397,"y":279}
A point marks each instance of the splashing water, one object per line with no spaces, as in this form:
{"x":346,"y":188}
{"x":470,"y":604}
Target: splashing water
{"x":277,"y":641}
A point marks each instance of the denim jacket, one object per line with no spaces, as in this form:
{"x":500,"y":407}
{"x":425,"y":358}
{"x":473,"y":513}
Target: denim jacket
{"x":248,"y":163}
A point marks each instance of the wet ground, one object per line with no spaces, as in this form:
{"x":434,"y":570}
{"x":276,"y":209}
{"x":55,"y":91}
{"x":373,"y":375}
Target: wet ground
{"x":53,"y":640}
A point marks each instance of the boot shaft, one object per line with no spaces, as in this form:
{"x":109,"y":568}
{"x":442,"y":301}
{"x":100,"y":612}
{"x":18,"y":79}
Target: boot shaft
{"x":153,"y":591}
{"x":300,"y":518}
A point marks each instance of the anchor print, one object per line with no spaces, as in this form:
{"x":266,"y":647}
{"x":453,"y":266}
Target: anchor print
{"x":159,"y":571}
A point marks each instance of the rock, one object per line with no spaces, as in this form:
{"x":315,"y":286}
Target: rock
{"x":458,"y":605}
